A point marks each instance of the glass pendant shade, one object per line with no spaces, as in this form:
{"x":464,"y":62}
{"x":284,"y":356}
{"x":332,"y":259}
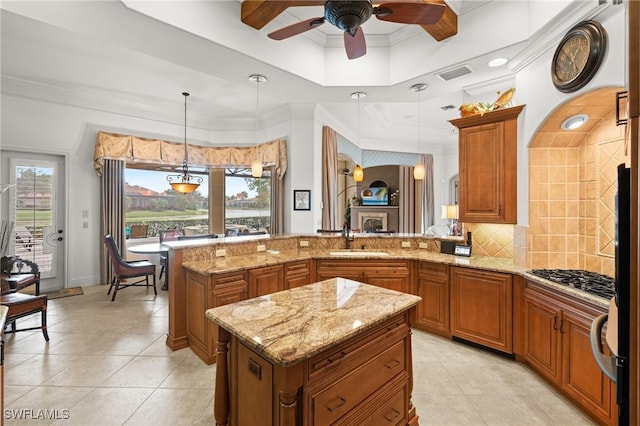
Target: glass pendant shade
{"x":358,"y":173}
{"x":184,"y":183}
{"x":418,"y":171}
{"x":256,"y":168}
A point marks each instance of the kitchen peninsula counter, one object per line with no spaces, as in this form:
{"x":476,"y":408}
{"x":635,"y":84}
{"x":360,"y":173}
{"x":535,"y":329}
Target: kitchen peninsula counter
{"x":315,"y":351}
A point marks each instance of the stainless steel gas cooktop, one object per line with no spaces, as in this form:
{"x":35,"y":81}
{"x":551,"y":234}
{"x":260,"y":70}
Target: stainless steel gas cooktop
{"x":591,"y":282}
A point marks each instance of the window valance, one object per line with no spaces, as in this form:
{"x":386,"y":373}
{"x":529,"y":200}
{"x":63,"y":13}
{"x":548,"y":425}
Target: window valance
{"x":135,"y":149}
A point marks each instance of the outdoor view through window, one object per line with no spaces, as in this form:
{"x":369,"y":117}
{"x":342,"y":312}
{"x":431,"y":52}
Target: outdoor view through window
{"x":150,"y":202}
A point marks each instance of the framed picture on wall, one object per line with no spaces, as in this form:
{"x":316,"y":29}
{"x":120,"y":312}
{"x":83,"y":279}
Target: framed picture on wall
{"x":301,"y":199}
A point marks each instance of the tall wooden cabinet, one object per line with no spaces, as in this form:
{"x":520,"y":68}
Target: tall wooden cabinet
{"x":487,"y":157}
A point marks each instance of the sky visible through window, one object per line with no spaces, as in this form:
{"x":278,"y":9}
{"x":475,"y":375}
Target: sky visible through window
{"x":156,"y":181}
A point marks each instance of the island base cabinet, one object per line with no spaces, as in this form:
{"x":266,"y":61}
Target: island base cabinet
{"x":482,"y":307}
{"x":366,"y":380}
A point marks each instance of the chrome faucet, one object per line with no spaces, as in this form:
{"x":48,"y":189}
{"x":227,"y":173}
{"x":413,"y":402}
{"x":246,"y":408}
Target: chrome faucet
{"x":348,"y":239}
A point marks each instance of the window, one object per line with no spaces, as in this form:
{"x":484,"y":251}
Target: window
{"x":150,"y":201}
{"x":247,"y":202}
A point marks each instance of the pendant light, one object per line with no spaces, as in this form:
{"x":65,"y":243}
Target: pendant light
{"x":256,"y":165}
{"x":418,"y":170}
{"x":185,"y":182}
{"x":358,"y":173}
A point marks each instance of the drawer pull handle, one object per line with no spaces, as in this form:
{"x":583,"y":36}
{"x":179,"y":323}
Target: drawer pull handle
{"x":337,"y":357}
{"x":392,"y":364}
{"x":255,"y":369}
{"x":394,"y":327}
{"x":392,"y":415}
{"x":341,"y":401}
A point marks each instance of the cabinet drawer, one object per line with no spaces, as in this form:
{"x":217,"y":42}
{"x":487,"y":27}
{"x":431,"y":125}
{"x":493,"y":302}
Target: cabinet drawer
{"x":297,"y":268}
{"x":387,"y":407}
{"x":337,"y":400}
{"x":232,"y":278}
{"x":437,"y":269}
{"x":343,"y":358}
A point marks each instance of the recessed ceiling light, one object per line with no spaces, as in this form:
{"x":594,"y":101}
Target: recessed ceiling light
{"x":497,"y":62}
{"x":574,"y":121}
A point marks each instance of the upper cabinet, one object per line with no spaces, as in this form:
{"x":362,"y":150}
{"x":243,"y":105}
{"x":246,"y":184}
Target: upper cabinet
{"x":487,"y":150}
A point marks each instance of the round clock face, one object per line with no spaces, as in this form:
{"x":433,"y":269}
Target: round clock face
{"x":578,"y":56}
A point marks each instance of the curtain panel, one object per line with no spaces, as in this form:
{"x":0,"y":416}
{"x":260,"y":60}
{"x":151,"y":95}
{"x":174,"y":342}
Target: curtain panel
{"x":111,"y":212}
{"x":134,"y":149}
{"x":330,"y":179}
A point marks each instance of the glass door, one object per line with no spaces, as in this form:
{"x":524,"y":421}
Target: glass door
{"x":36,"y":206}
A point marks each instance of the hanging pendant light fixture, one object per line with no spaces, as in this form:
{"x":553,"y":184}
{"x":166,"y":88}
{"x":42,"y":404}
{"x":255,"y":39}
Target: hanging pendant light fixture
{"x":185,"y":182}
{"x":256,"y":165}
{"x":358,"y":173}
{"x":418,"y":170}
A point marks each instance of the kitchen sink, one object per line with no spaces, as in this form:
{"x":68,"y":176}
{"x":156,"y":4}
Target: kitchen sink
{"x":357,"y":253}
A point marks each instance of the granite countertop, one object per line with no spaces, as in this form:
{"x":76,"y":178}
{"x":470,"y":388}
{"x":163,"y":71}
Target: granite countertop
{"x":270,"y":257}
{"x":290,"y":326}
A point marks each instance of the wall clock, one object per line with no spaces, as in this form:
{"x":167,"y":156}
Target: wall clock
{"x":578,"y":56}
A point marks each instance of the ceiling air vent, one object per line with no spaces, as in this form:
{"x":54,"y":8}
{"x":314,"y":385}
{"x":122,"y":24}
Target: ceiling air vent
{"x":454,"y":73}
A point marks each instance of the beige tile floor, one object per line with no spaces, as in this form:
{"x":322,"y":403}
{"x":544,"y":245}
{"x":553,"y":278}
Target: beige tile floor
{"x":107,"y":364}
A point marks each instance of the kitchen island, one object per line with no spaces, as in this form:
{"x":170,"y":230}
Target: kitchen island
{"x":314,"y":355}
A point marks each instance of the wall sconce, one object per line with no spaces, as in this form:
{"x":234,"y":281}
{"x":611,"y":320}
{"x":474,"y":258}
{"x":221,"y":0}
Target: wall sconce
{"x":358,"y":173}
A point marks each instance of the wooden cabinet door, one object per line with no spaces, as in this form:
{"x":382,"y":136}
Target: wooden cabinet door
{"x":542,"y":342}
{"x":487,"y":164}
{"x":582,"y":379}
{"x":297,"y":274}
{"x":482,"y":307}
{"x":267,"y":280}
{"x":481,"y":173}
{"x":433,"y":287}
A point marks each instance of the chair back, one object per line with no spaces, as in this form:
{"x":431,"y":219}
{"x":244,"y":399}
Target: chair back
{"x":139,"y":231}
{"x":170,"y":234}
{"x":114,"y":254}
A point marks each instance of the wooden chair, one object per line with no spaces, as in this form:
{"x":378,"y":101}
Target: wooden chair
{"x":139,"y":231}
{"x":128,"y":269}
{"x":167,"y":235}
{"x":20,"y":304}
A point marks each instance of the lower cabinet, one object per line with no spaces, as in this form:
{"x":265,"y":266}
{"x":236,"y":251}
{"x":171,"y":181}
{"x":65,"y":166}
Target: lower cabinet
{"x":392,"y":275}
{"x":482,"y":307}
{"x":204,"y":292}
{"x":265,"y":280}
{"x":557,"y":345}
{"x":433,"y":287}
{"x":297,"y":274}
{"x":364,"y":380}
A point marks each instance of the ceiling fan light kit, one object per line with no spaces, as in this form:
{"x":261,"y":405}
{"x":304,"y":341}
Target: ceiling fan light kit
{"x":349,"y":16}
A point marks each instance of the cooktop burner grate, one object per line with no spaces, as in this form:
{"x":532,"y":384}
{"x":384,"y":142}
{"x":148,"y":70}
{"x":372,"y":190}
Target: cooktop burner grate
{"x":591,"y":282}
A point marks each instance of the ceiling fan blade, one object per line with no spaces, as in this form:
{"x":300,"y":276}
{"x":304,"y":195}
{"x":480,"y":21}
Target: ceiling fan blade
{"x":295,"y":29}
{"x":355,"y":45}
{"x":410,"y":13}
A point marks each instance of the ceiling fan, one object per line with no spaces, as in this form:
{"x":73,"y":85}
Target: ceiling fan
{"x":350,"y":15}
